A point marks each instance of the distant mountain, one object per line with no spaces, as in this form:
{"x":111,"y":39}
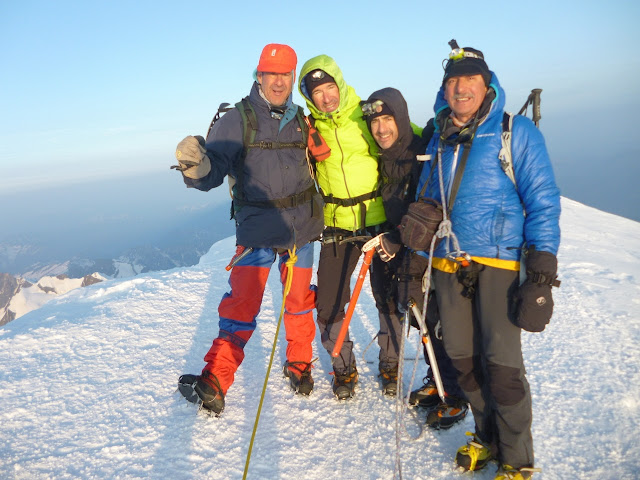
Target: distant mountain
{"x":119,"y":227}
{"x":180,"y":244}
{"x":43,"y":264}
{"x":141,"y":259}
{"x":40,"y":282}
{"x":19,"y":296}
{"x":17,"y":253}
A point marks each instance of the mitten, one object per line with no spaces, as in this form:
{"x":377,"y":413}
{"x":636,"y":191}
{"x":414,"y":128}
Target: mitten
{"x":534,"y":302}
{"x":192,"y":157}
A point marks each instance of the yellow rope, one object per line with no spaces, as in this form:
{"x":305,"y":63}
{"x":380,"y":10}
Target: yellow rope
{"x":287,"y":286}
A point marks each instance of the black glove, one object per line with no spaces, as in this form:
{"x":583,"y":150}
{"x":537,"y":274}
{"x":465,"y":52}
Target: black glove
{"x":386,"y":244}
{"x":534,"y":303}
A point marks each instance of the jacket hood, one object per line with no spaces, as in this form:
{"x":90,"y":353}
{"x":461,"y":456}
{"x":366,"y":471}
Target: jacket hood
{"x":393,"y":99}
{"x":497,"y":104}
{"x":348,"y":97}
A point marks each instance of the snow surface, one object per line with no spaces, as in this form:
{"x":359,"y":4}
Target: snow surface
{"x":87,"y":382}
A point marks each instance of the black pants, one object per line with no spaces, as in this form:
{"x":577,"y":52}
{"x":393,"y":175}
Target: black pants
{"x":336,"y":266}
{"x":486,"y":351}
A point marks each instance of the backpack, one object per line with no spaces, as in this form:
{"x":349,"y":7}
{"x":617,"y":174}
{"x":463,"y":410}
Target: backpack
{"x":505,"y":155}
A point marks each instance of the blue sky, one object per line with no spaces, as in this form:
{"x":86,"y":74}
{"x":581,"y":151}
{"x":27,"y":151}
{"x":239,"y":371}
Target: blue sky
{"x":97,"y":89}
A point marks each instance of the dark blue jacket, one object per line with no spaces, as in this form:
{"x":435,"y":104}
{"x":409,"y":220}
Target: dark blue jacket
{"x":487,"y":215}
{"x":269,"y":174}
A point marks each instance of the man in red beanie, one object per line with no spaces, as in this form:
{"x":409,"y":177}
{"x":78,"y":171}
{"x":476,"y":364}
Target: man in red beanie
{"x":276,"y":72}
{"x":261,"y":146}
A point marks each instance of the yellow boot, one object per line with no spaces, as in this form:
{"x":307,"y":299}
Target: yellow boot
{"x":474,"y":455}
{"x":507,"y":472}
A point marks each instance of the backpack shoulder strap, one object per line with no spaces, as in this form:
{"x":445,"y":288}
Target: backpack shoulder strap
{"x":426,"y":182}
{"x":249,"y":121}
{"x":506,"y":152}
{"x":249,"y":131}
{"x":303,"y":125}
{"x":505,"y":155}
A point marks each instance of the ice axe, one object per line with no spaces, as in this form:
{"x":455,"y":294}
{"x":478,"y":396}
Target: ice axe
{"x":426,"y":339}
{"x":352,"y":303}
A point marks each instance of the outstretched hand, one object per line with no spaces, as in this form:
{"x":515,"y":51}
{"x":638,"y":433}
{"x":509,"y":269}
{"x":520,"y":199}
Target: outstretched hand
{"x":192,"y":157}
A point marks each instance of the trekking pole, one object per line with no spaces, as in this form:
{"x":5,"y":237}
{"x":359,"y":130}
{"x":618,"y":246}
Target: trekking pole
{"x":535,"y":93}
{"x":534,"y":101}
{"x":352,"y":303}
{"x":430,"y":353}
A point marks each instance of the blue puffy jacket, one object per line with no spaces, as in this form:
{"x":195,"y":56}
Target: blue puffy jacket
{"x":269,"y":174}
{"x":487,"y":215}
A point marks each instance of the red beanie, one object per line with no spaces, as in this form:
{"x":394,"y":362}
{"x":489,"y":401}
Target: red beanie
{"x":276,"y":58}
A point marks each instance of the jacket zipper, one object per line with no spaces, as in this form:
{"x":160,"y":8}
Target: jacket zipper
{"x":344,"y":176}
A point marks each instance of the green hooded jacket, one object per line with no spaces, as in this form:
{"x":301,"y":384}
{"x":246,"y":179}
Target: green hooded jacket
{"x":352,"y":168}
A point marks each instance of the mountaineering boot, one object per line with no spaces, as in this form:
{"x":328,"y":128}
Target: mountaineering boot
{"x":425,"y":396}
{"x":389,"y":380}
{"x":203,"y":389}
{"x":344,"y":382}
{"x":210,"y":392}
{"x":506,"y":472}
{"x":474,"y":455}
{"x":447,"y":414}
{"x":299,"y":375}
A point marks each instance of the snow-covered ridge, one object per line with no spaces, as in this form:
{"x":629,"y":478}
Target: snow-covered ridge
{"x":87,"y":382}
{"x":19,"y":296}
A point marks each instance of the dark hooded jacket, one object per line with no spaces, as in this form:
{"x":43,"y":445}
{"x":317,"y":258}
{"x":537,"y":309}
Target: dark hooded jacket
{"x":400,"y":169}
{"x":269,"y":174}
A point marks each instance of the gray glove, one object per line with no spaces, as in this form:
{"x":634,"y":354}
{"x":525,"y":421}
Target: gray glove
{"x":192,"y":157}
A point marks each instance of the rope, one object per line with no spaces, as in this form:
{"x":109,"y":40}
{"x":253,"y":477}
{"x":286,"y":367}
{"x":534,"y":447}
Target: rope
{"x":287,"y":286}
{"x":364,"y":360}
{"x":403,"y":402}
{"x":399,"y":403}
{"x":445,"y":230}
